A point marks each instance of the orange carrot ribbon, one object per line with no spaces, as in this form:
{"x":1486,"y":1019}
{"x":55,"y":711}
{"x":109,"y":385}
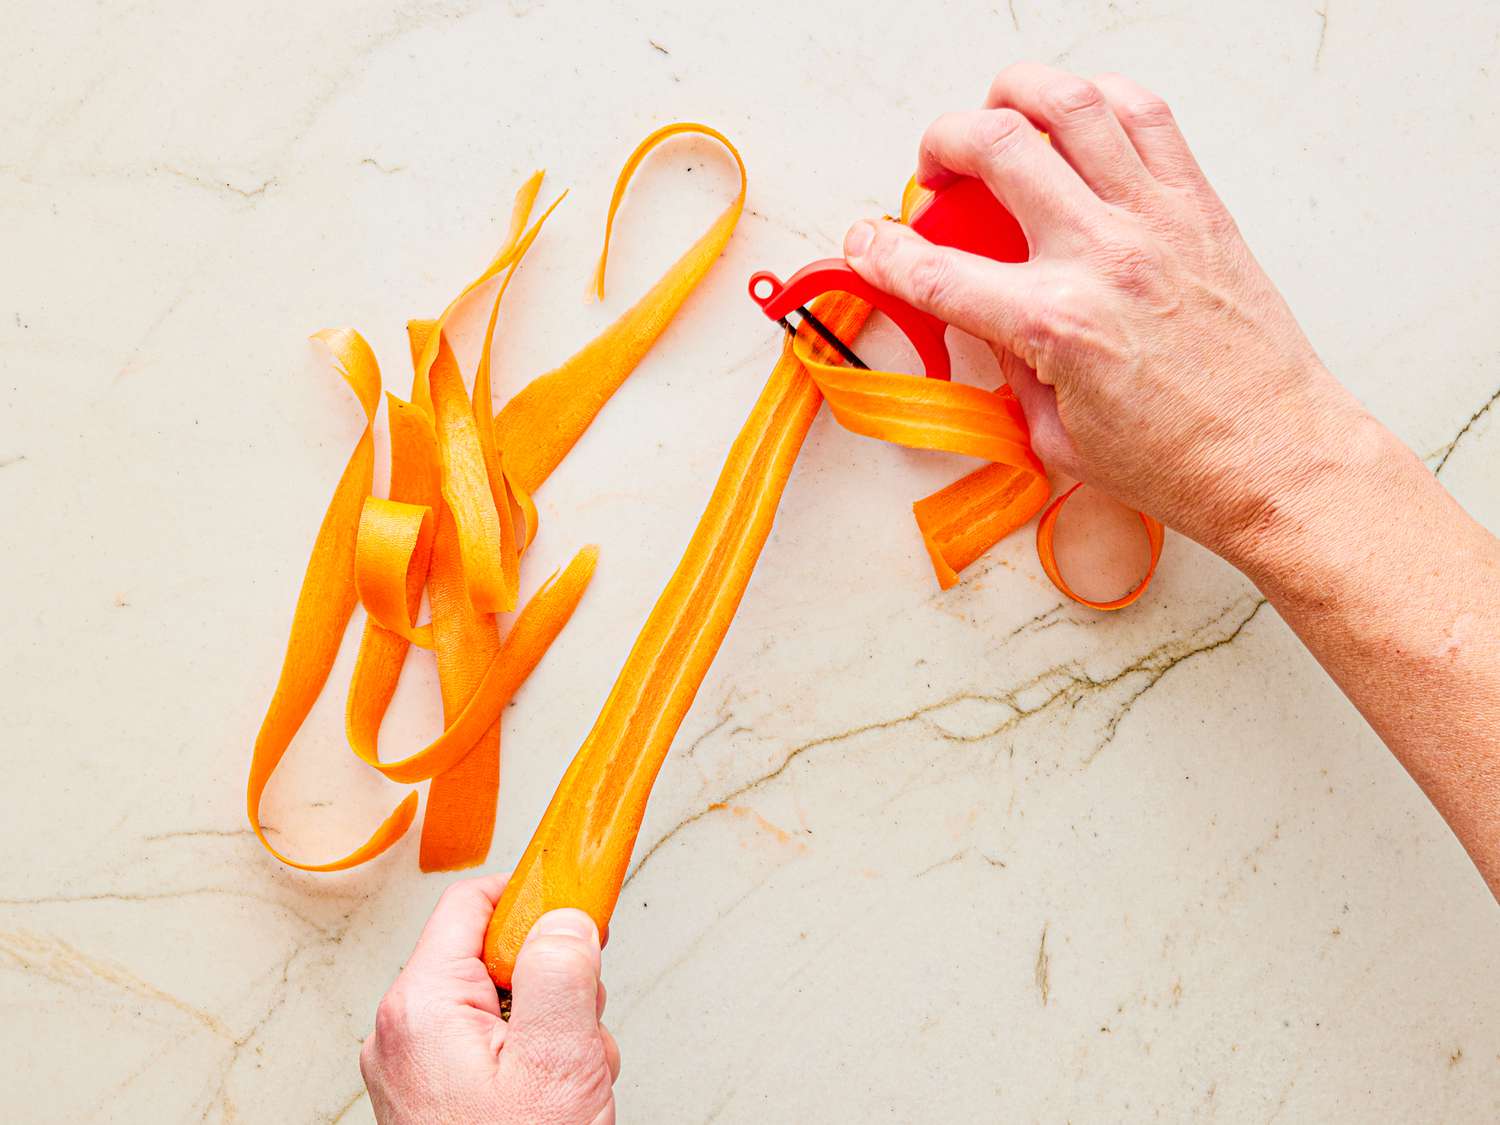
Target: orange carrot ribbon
{"x":457,"y":521}
{"x":962,"y":521}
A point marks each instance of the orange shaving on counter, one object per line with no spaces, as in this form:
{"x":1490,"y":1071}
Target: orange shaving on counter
{"x":457,"y":520}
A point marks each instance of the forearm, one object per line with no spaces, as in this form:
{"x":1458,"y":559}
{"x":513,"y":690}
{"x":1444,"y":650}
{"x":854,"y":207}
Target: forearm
{"x":1396,"y":591}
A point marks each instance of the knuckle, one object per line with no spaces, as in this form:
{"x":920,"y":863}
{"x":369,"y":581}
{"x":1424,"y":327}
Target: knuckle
{"x":882,"y":252}
{"x":1221,"y":225}
{"x":1055,"y":318}
{"x":995,"y":133}
{"x":393,"y":1017}
{"x":399,"y":1016}
{"x":929,"y":277}
{"x":1147,"y":111}
{"x":1065,"y":98}
{"x":1132,"y":266}
{"x":368,"y":1054}
{"x":1003,"y":80}
{"x":1052,"y":307}
{"x":944,"y":127}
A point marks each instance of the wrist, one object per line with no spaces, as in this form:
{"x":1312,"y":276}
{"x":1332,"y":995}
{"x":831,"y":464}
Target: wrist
{"x":1332,"y":474}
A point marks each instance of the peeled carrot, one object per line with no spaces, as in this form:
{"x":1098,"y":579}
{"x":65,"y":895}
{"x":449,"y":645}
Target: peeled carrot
{"x":580,"y":851}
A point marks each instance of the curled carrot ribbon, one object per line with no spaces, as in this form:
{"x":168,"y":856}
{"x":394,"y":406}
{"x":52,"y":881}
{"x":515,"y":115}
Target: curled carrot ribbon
{"x":456,"y":522}
{"x":968,"y":517}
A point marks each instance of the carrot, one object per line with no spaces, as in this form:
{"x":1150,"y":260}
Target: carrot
{"x":580,"y":851}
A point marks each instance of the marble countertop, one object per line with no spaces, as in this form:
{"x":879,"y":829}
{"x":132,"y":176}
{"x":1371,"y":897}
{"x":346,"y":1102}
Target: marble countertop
{"x":916,"y":856}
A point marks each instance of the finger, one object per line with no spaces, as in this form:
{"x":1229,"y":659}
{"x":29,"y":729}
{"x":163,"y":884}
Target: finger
{"x":1039,"y":403}
{"x":602,"y":1000}
{"x":1080,"y":123}
{"x":455,"y":932}
{"x":611,"y":1053}
{"x":1026,"y":174}
{"x":555,"y":989}
{"x":983,"y":297}
{"x":1147,"y":120}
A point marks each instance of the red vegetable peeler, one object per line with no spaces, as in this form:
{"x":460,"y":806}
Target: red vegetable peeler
{"x":963,"y":214}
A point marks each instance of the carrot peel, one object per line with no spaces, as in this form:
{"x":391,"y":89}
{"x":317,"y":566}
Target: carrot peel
{"x":1046,"y":528}
{"x":458,"y":519}
{"x":324,"y":605}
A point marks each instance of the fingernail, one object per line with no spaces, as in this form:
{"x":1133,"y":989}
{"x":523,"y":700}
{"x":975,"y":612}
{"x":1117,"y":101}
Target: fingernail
{"x":858,"y":240}
{"x":566,"y":923}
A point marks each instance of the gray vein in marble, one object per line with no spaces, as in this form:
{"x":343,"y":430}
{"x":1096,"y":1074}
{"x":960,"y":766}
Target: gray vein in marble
{"x":1076,"y":685}
{"x":1463,"y":431}
{"x":343,"y":1111}
{"x":218,"y":185}
{"x":819,"y":238}
{"x":200,"y":833}
{"x":1110,"y":28}
{"x":959,"y":857}
{"x":1253,"y":907}
{"x":190,"y":892}
{"x":390,"y":170}
{"x":55,"y":960}
{"x":724,"y":719}
{"x":722,"y":916}
{"x":1156,"y":669}
{"x":1043,"y":970}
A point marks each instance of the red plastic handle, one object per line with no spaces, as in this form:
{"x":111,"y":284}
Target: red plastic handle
{"x":963,"y":214}
{"x":828,"y":275}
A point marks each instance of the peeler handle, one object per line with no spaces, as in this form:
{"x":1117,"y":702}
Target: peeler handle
{"x":963,"y":213}
{"x":777,"y":298}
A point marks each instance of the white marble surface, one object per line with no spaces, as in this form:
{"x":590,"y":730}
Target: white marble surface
{"x":999,"y":858}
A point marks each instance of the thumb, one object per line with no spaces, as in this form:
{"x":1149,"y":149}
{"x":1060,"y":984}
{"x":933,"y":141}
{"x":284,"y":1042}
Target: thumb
{"x":554,"y":1019}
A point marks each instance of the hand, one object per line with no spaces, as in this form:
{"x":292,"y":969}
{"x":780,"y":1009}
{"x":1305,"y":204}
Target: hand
{"x":440,"y":1051}
{"x":1151,"y":355}
{"x":1154,"y":358}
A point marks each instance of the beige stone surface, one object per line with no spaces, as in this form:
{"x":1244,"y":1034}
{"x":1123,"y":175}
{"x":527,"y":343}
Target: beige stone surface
{"x":917,"y":856}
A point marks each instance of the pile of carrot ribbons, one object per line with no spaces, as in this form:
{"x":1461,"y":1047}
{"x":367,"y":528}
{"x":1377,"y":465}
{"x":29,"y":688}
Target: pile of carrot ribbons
{"x":458,"y":518}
